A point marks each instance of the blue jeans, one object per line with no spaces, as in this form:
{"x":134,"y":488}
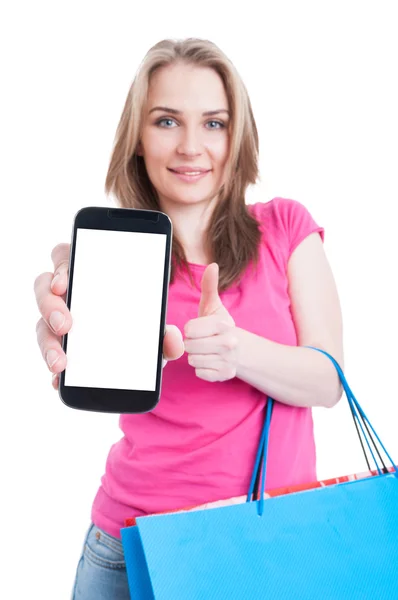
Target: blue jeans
{"x":101,"y":572}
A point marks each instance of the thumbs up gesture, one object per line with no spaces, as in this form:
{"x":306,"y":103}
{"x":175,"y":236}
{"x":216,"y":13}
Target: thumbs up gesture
{"x":210,"y":340}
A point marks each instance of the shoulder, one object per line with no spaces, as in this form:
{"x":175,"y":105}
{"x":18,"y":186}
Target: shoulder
{"x":285,"y":222}
{"x":278,"y":210}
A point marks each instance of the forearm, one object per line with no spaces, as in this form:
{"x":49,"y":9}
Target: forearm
{"x":292,"y":375}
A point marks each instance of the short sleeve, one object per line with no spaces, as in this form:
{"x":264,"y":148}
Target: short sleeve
{"x":295,"y":221}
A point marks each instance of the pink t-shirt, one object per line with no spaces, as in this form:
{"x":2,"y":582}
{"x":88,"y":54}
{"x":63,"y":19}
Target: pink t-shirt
{"x":198,"y":445}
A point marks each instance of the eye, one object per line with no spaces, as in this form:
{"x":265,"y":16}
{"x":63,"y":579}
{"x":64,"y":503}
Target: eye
{"x":165,"y":122}
{"x":216,"y":124}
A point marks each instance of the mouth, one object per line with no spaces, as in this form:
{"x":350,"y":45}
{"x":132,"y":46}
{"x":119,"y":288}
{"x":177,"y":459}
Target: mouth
{"x":190,"y":176}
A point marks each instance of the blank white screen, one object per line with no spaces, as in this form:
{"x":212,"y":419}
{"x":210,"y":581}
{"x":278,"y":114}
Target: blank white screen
{"x":116,"y":308}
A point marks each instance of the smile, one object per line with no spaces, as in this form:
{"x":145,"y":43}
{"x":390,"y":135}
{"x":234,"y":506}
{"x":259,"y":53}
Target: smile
{"x":189,"y":176}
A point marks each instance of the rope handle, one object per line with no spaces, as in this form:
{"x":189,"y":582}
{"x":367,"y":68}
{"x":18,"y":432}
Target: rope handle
{"x":360,"y":418}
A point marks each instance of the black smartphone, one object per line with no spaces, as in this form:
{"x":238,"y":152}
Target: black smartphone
{"x":119,"y":274}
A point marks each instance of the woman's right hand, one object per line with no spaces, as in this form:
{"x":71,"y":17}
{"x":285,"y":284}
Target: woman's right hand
{"x":56,"y":320}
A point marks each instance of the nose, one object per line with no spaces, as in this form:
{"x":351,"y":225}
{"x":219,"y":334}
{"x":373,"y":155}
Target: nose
{"x":189,"y":142}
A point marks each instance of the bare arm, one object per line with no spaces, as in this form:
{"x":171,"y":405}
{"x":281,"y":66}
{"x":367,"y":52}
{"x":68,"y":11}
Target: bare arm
{"x":295,"y":375}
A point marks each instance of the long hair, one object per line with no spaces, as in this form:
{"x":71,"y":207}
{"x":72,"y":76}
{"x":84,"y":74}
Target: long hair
{"x":233,"y":236}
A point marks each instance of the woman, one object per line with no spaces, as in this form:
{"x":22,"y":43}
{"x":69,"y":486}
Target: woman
{"x":250,"y":287}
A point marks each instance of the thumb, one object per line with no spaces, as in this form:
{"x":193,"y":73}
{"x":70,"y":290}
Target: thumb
{"x":210,"y":301}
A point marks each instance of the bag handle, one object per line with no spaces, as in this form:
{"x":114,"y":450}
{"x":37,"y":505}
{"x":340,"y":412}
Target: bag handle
{"x":358,"y":416}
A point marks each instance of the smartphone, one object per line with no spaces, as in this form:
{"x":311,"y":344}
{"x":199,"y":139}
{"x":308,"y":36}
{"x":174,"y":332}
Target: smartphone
{"x":119,"y":274}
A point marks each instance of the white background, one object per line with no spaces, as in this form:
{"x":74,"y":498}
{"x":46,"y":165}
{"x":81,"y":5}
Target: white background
{"x":322,"y":80}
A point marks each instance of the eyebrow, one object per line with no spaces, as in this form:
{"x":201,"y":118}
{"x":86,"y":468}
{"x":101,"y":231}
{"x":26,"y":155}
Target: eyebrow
{"x":173,"y":111}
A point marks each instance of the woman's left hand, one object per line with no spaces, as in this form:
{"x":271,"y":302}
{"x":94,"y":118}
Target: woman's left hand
{"x":210,"y":340}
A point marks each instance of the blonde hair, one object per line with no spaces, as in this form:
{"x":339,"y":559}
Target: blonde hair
{"x":233,"y":236}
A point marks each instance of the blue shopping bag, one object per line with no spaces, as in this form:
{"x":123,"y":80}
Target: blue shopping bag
{"x":339,"y":542}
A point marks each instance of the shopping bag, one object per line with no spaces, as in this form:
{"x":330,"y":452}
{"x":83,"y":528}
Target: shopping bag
{"x":282,"y":491}
{"x":337,"y":542}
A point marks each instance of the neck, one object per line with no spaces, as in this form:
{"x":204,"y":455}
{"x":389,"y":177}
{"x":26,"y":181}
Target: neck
{"x":190,"y":223}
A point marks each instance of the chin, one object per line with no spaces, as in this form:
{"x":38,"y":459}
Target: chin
{"x":194,"y":201}
{"x":192,"y":197}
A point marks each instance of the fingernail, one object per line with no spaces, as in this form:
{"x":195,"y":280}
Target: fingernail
{"x":56,"y":278}
{"x":52,"y":357}
{"x":57,"y":320}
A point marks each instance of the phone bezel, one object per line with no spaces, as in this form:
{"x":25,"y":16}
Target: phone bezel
{"x":118,"y":219}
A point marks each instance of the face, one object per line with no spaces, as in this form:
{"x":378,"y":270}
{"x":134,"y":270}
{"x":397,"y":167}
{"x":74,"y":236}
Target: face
{"x":185,"y":134}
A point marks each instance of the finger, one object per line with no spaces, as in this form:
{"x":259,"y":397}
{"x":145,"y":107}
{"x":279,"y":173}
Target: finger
{"x":50,"y":347}
{"x":210,"y":301}
{"x":214,"y":375}
{"x":60,"y":258}
{"x":205,"y":326}
{"x":173,"y":345}
{"x":205,"y":361}
{"x":55,"y":381}
{"x":216,"y":344}
{"x":52,"y":308}
{"x":208,"y":375}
